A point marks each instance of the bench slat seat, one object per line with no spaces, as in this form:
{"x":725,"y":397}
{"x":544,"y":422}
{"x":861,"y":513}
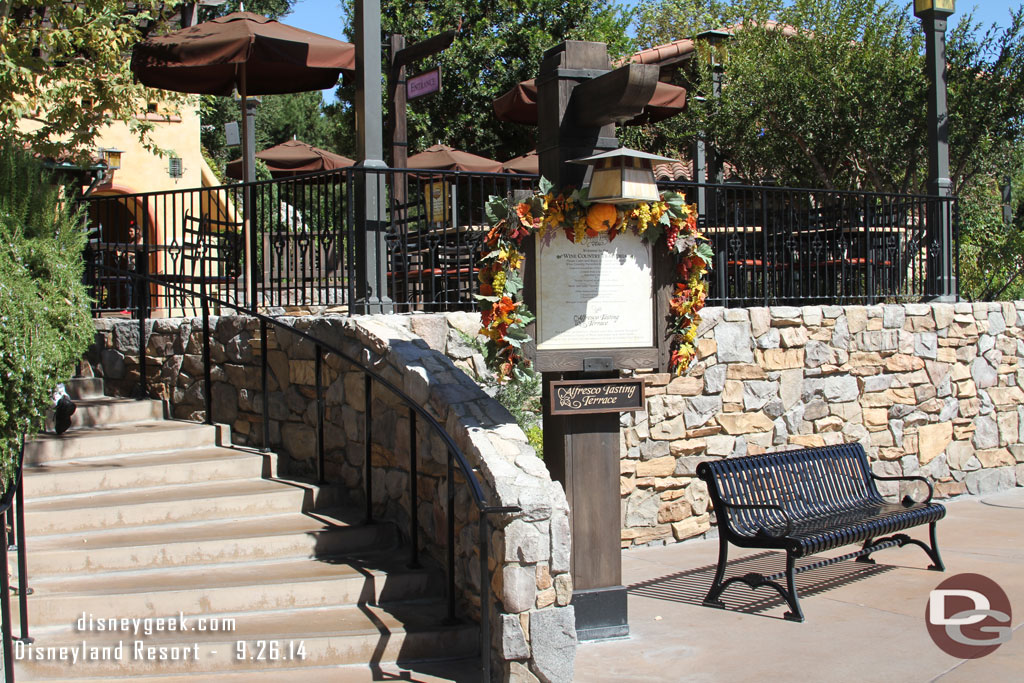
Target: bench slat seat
{"x":806,"y":502}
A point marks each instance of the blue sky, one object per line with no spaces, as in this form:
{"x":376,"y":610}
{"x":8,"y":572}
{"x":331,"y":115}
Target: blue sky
{"x":325,"y":16}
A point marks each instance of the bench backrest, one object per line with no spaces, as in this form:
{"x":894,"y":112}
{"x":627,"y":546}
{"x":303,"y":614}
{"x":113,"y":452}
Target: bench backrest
{"x":806,"y":483}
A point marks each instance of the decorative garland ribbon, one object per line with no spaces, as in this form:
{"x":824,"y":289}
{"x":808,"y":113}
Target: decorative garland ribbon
{"x":668,"y":223}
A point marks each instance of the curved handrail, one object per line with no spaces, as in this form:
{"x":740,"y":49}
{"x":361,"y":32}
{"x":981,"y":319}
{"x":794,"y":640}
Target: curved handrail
{"x":476,"y":489}
{"x":13,"y":497}
{"x":454,"y":452}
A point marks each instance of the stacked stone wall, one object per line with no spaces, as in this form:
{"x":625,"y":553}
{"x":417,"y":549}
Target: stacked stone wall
{"x":933,"y":390}
{"x":532,"y":622}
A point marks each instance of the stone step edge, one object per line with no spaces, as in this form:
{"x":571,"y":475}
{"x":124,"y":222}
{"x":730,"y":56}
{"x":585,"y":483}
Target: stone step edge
{"x":319,"y":494}
{"x":332,"y":524}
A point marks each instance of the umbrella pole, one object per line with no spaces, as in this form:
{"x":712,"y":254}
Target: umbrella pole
{"x":248,"y":175}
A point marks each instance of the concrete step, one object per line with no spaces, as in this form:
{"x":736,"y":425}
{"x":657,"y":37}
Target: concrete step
{"x":190,"y":502}
{"x":105,"y":410}
{"x":256,"y":641}
{"x":186,"y":544}
{"x":446,"y":671}
{"x":254,"y":586}
{"x":109,"y":473}
{"x":141,"y":437}
{"x":84,"y":387}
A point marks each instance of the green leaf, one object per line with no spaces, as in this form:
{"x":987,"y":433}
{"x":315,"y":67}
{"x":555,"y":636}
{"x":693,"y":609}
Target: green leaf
{"x":516,"y":335}
{"x":496,"y":209}
{"x":705,"y":251}
{"x":545,"y":185}
{"x":484,"y":297}
{"x":653,"y":233}
{"x":513,"y":282}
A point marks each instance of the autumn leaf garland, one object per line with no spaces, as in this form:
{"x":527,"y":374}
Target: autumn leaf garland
{"x":669,"y":222}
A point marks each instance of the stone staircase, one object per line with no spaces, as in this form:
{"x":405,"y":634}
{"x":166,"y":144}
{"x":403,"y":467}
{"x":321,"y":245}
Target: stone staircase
{"x":131,"y":516}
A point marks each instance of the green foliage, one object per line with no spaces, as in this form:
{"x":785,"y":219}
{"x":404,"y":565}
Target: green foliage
{"x":45,"y":323}
{"x":64,"y":72}
{"x":279,"y":118}
{"x":498,"y":45}
{"x":991,"y":252}
{"x":521,"y":397}
{"x":842,"y":102}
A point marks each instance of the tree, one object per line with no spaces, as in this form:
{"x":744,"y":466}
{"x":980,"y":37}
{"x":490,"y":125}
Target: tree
{"x":498,"y":45}
{"x":278,"y":118}
{"x":840,"y":100}
{"x":64,"y":71}
{"x":45,"y":324}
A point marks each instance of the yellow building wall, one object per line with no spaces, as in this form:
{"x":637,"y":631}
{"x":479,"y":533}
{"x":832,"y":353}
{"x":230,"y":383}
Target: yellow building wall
{"x":144,"y":171}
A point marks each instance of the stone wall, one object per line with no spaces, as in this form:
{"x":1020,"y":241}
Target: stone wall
{"x":532,"y":622}
{"x":929,"y":389}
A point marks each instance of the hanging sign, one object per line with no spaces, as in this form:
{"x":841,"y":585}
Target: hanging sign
{"x":426,"y":83}
{"x":575,"y":397}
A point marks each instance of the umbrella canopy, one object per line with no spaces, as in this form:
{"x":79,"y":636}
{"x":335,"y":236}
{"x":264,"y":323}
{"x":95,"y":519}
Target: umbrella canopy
{"x":529,"y":164}
{"x":519,"y":105}
{"x":242,"y":50}
{"x":444,"y":158}
{"x":294,"y":158}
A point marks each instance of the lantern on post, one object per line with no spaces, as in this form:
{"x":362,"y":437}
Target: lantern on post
{"x":621,"y":176}
{"x":939,"y":6}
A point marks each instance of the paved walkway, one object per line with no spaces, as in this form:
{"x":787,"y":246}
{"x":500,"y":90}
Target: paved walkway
{"x":863,"y":622}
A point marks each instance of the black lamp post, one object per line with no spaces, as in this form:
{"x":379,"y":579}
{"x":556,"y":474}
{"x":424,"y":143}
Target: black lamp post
{"x":933,"y":15}
{"x":716,"y":41}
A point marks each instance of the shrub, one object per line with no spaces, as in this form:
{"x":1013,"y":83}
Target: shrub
{"x":45,"y":323}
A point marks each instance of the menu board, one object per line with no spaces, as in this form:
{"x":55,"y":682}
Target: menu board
{"x":597,"y":294}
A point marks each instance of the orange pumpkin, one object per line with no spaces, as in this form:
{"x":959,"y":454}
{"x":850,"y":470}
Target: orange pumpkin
{"x":602,"y":217}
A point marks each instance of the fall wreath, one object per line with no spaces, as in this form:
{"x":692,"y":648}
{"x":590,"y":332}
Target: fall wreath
{"x":669,"y":222}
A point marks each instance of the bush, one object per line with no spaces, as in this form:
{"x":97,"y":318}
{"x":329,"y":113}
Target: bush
{"x":45,"y":323}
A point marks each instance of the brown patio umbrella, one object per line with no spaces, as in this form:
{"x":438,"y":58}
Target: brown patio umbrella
{"x":444,"y":158}
{"x":294,"y":158}
{"x":527,"y":164}
{"x":243,"y":51}
{"x":519,"y":105}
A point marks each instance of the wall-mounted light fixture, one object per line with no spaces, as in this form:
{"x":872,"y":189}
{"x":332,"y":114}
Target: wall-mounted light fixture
{"x":111,"y":157}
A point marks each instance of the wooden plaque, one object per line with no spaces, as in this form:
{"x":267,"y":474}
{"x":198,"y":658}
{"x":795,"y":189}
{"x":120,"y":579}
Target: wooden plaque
{"x":581,"y":396}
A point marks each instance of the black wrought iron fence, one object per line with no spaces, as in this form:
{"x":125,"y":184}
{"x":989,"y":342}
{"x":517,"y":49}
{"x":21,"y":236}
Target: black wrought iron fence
{"x":778,"y":245}
{"x":293,"y":243}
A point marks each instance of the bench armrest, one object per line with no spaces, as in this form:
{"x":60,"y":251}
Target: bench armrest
{"x":785,"y":515}
{"x":907,"y":500}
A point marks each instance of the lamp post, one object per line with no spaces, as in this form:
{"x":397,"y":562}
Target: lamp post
{"x":941,"y":280}
{"x":715,"y":41}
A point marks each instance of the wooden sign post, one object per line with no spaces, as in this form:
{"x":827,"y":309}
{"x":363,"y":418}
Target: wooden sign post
{"x":596,"y":315}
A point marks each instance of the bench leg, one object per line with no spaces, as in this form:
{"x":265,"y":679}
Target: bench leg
{"x":794,"y":613}
{"x":866,"y":558}
{"x":932,"y":550}
{"x":716,"y":586}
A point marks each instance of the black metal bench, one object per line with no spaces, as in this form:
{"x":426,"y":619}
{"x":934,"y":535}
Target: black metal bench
{"x":805,"y":502}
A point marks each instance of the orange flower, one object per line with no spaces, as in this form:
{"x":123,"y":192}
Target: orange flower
{"x":523,"y":211}
{"x":602,"y":217}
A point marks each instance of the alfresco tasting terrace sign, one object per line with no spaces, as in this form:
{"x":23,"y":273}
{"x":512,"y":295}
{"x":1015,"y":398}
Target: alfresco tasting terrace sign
{"x":594,"y":295}
{"x":571,"y":397}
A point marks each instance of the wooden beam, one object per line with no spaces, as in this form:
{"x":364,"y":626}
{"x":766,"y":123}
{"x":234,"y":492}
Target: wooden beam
{"x":424,"y":48}
{"x":616,"y":96}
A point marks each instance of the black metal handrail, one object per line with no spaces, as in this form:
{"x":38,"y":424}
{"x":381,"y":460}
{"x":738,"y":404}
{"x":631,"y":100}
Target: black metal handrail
{"x":455,"y":455}
{"x":12,"y":514}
